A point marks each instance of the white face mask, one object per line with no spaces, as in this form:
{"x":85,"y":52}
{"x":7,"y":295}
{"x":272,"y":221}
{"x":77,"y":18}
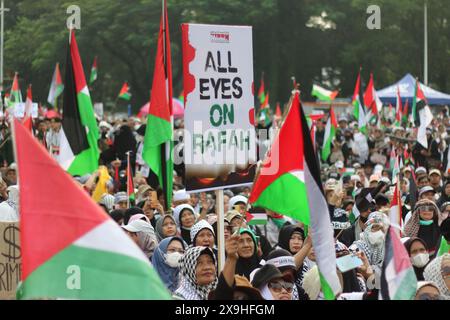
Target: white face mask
{"x":420,"y":260}
{"x":376,"y":238}
{"x":173,"y":259}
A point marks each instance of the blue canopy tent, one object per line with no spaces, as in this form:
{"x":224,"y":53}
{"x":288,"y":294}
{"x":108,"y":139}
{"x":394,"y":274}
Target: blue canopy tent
{"x":406,"y":85}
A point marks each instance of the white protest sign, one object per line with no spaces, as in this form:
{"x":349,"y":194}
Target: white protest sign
{"x":219,"y":138}
{"x":19,"y":110}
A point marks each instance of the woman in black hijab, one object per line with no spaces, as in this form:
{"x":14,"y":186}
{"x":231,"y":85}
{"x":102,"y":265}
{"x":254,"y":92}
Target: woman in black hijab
{"x":248,"y":253}
{"x":418,"y":253}
{"x":125,"y":141}
{"x":291,"y":238}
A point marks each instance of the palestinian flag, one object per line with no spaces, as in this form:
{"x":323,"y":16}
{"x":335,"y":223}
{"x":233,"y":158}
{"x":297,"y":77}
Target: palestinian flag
{"x":261,"y":91}
{"x":265,"y":104}
{"x":371,"y":101}
{"x":125,"y":92}
{"x":330,"y":133}
{"x":358,"y":109}
{"x":256,"y":216}
{"x":27,"y":119}
{"x":158,"y":142}
{"x":398,"y":110}
{"x":398,"y":279}
{"x":421,"y":114}
{"x":93,"y":75}
{"x":181,"y":96}
{"x":15,"y":95}
{"x":323,"y":94}
{"x":289,"y":183}
{"x":405,"y":113}
{"x":444,"y":247}
{"x":79,"y":133}
{"x":130,"y":185}
{"x":70,"y":247}
{"x":56,"y":87}
{"x":395,"y":214}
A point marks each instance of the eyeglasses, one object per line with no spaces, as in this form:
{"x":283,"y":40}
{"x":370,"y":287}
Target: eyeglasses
{"x":426,"y":208}
{"x":429,"y":296}
{"x":175,"y":250}
{"x":279,"y":285}
{"x":445,"y":272}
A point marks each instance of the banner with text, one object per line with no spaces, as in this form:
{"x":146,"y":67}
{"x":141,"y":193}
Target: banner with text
{"x":219,"y":136}
{"x":10,"y":259}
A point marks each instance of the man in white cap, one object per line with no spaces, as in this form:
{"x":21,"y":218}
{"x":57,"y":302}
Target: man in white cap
{"x":181,"y":197}
{"x":436,"y":180}
{"x":238,"y":203}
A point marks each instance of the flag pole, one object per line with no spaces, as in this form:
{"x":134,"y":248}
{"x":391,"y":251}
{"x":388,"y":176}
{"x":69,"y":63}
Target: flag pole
{"x":128,"y":178}
{"x":220,"y":229}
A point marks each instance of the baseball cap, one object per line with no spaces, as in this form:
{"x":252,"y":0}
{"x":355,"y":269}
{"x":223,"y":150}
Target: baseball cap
{"x":426,"y":189}
{"x":138,"y":226}
{"x":421,"y":170}
{"x":435,"y":171}
{"x":181,"y":195}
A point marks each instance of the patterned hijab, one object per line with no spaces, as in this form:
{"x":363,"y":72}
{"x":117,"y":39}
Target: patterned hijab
{"x":189,"y":289}
{"x":413,"y":225}
{"x":375,"y":254}
{"x":433,"y":273}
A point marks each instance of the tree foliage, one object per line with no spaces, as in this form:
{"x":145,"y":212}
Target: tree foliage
{"x":286,"y":42}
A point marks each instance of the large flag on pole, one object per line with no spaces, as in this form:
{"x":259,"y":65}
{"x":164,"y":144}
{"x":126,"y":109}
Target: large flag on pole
{"x":289,"y":183}
{"x":79,"y":133}
{"x":158,"y":142}
{"x":395,"y":214}
{"x":56,"y":87}
{"x":323,"y":94}
{"x":358,"y":109}
{"x":93,"y":75}
{"x":421,"y":114}
{"x":330,"y":133}
{"x":398,"y":279}
{"x":70,"y":247}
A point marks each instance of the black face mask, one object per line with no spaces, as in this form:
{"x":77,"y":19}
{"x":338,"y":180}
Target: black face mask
{"x":445,"y":229}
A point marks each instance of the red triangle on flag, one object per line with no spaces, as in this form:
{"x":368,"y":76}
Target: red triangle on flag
{"x":54,"y":210}
{"x":248,"y":216}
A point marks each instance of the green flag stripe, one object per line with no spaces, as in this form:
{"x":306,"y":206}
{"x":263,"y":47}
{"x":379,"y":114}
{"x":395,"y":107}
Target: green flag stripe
{"x":286,"y":195}
{"x":86,"y":161}
{"x":102,"y":275}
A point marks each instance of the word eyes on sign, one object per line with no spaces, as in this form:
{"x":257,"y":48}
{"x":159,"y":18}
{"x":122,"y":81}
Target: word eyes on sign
{"x":223,"y":88}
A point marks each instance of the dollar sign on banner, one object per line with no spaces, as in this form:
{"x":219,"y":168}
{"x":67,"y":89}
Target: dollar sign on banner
{"x":9,"y":236}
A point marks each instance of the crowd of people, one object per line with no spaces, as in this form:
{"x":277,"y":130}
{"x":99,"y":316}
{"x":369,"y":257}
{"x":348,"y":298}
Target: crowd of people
{"x":275,"y":260}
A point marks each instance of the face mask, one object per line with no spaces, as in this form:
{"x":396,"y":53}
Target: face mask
{"x":173,"y":259}
{"x":420,"y":260}
{"x":376,"y":238}
{"x":425,"y":222}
